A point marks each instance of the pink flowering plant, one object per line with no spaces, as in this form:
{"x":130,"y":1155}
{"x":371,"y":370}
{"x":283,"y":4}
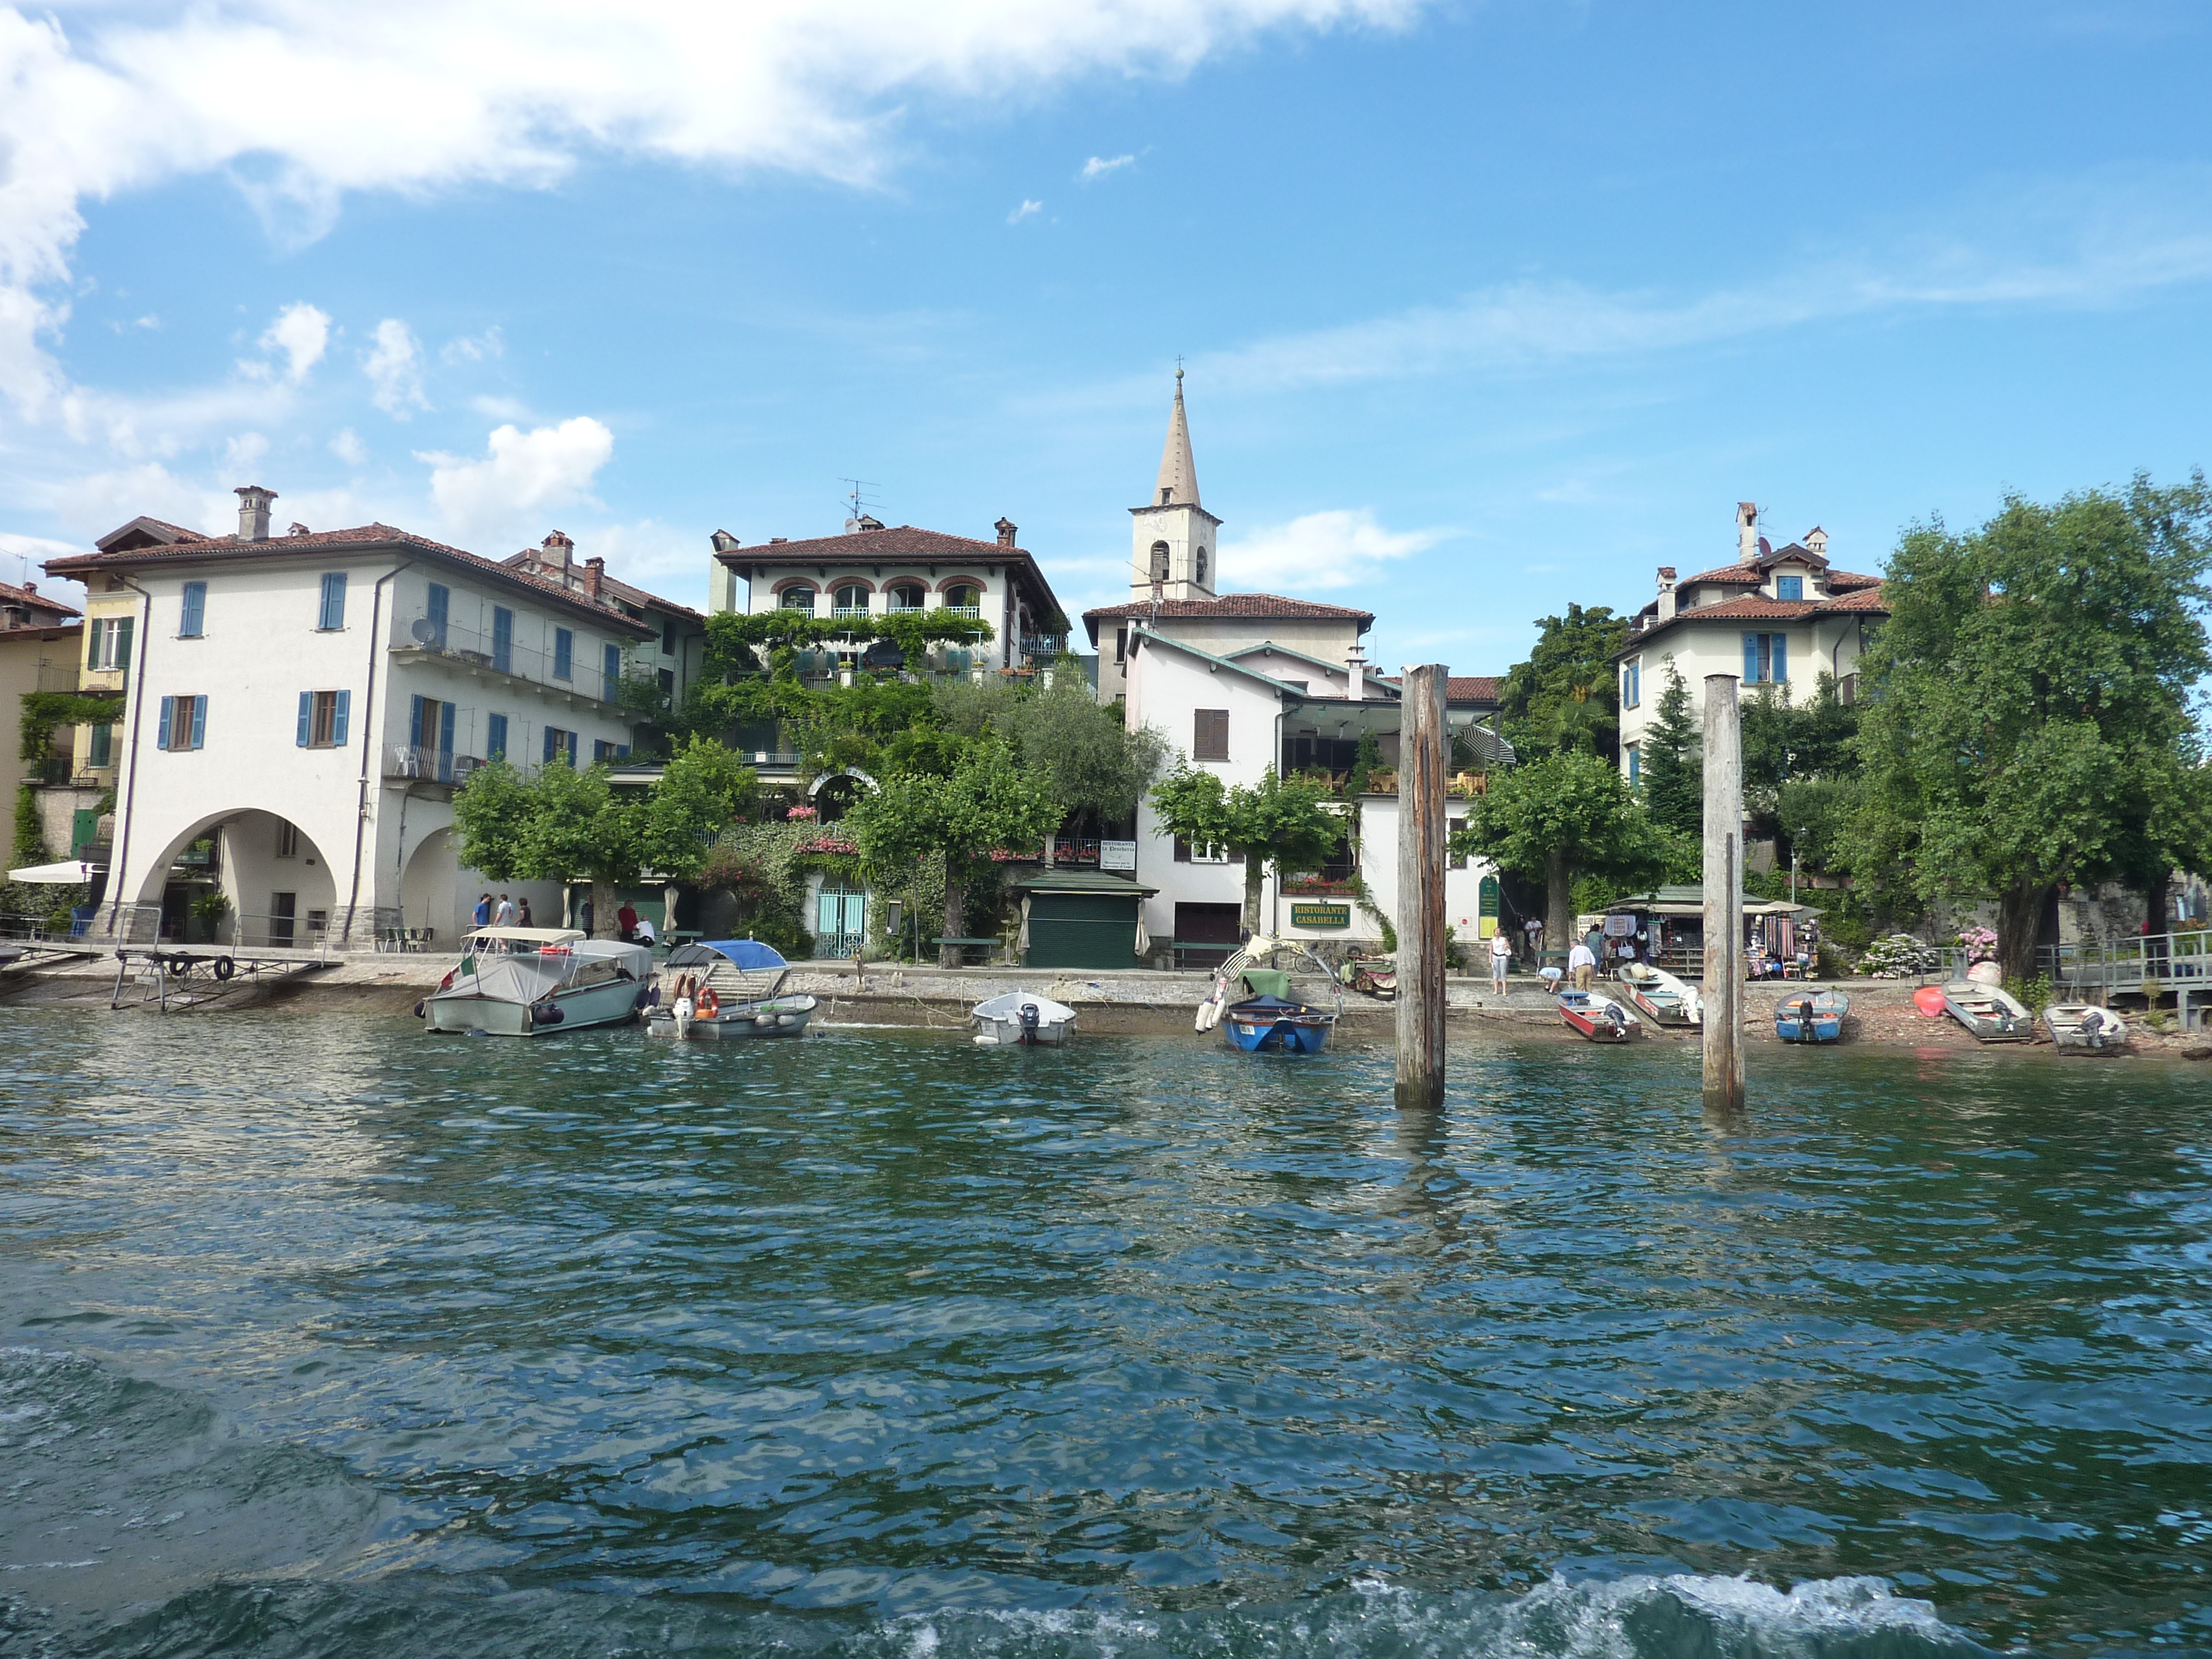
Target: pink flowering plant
{"x":801,"y":814}
{"x":1980,"y":944}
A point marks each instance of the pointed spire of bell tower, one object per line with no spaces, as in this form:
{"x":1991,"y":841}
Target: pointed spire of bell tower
{"x":1178,"y":485}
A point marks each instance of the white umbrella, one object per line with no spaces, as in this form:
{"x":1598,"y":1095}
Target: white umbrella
{"x":70,"y":872}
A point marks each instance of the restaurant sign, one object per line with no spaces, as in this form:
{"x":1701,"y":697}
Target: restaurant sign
{"x":1321,"y":916}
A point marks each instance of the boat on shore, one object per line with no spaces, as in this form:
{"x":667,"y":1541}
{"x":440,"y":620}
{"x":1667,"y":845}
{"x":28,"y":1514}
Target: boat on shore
{"x":726,"y":989}
{"x":1022,"y":1019}
{"x":1264,"y":1007}
{"x":2079,"y":1028}
{"x":531,"y":981}
{"x":1656,"y":992}
{"x":1814,"y":1014}
{"x":1597,"y":1016}
{"x":1991,"y":1012}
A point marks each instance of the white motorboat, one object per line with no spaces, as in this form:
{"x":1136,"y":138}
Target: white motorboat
{"x":1022,"y":1019}
{"x":2079,"y":1028}
{"x":725,"y":989}
{"x":530,"y":981}
{"x":1656,"y":992}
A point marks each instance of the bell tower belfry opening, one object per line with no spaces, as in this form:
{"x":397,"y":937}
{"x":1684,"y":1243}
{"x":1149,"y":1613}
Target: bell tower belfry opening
{"x":1174,"y":541}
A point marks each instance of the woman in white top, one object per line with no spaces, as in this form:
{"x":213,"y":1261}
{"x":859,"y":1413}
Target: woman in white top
{"x":1501,"y":953}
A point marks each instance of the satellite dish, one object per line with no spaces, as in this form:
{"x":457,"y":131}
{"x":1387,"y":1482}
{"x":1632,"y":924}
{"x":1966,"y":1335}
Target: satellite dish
{"x":426,"y":631}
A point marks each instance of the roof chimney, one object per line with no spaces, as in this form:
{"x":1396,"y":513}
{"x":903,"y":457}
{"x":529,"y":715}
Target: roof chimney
{"x":253,"y":512}
{"x":595,"y":572}
{"x":1816,"y":541}
{"x":32,"y":588}
{"x":557,"y":552}
{"x":1666,"y":592}
{"x":1355,"y":669}
{"x":724,"y":541}
{"x":1747,"y":532}
{"x":299,"y":529}
{"x":1006,"y":529}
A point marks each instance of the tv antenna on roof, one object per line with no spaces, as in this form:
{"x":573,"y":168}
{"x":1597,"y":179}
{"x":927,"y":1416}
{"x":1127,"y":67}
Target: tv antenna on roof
{"x":859,"y":499}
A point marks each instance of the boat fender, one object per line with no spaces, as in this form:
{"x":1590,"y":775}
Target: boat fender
{"x":547,"y":1013}
{"x":418,"y":1010}
{"x":1209,"y":1015}
{"x":708,"y":1004}
{"x":644,"y":997}
{"x":224,"y":967}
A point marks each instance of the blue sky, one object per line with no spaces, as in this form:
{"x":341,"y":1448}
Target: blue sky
{"x":1484,"y":307}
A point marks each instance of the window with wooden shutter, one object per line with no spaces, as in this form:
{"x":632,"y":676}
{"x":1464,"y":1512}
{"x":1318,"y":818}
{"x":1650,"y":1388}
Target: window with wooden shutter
{"x":1209,"y":738}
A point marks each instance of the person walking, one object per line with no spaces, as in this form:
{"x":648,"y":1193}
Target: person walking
{"x":483,"y":916}
{"x":1582,"y":963}
{"x":522,"y":913}
{"x":1501,"y":957}
{"x":504,"y":916}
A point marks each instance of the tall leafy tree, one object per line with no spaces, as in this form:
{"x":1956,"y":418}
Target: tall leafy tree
{"x":984,"y":804}
{"x":1096,"y":769}
{"x":2028,"y":720}
{"x":1787,"y":742}
{"x":1673,"y":764}
{"x":1285,"y":825}
{"x":1565,"y":816}
{"x":1565,"y":696}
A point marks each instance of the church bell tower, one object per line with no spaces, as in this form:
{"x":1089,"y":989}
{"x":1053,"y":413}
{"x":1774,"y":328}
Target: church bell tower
{"x":1175,"y":542}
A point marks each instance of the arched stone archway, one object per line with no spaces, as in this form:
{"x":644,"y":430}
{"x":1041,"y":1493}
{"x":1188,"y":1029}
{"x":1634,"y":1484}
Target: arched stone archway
{"x":276,"y":879}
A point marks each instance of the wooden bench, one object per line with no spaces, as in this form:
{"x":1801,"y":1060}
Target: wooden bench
{"x":966,"y":944}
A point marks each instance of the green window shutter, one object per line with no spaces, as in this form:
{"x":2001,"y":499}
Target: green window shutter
{"x":307,"y":718}
{"x":338,"y":725}
{"x":92,"y":635}
{"x":124,"y":628}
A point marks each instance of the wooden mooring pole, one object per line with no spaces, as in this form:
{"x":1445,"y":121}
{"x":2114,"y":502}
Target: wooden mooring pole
{"x":1423,"y":749}
{"x":1724,"y":895}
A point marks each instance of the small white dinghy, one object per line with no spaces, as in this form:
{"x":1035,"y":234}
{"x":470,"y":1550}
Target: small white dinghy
{"x":2080,"y":1029}
{"x":1022,"y":1019}
{"x":1992,"y":1013}
{"x":1660,"y":995}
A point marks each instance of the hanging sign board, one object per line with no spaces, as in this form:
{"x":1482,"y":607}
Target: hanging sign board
{"x":1117,"y":855}
{"x":1321,"y":916}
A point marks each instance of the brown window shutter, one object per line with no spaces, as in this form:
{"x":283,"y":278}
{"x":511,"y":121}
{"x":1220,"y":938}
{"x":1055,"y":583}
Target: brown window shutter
{"x":1209,"y":734}
{"x":1182,"y":850}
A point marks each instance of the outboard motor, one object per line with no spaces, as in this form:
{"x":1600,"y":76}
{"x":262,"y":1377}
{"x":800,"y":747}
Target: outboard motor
{"x":1029,"y":1023}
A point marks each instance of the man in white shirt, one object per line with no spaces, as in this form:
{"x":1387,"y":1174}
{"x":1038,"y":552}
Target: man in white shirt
{"x":503,"y":916}
{"x":1582,"y":963}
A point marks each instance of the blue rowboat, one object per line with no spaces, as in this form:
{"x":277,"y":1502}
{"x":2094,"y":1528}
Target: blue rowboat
{"x":1262,"y":1023}
{"x":1258,"y":1008}
{"x":1814,"y":1014}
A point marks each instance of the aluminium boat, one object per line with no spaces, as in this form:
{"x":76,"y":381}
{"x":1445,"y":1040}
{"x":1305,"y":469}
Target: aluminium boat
{"x":1022,"y":1019}
{"x":728,"y":988}
{"x":2079,"y":1028}
{"x":531,"y":981}
{"x":1657,"y":993}
{"x":1991,"y":1012}
{"x":1597,"y":1016}
{"x":1814,"y":1014}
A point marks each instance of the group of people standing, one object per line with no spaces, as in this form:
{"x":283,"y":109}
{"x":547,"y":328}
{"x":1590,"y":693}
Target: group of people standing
{"x":507,"y":913}
{"x":631,"y":928}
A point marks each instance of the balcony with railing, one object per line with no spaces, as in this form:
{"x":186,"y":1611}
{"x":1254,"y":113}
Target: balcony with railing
{"x":427,"y":765}
{"x":421,"y":634}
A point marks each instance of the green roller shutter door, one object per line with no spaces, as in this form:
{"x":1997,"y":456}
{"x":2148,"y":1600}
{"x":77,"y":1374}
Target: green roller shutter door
{"x":1082,"y":930}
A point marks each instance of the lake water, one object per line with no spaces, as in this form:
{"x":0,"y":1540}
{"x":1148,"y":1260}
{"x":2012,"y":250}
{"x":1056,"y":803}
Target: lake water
{"x":324,"y":1338}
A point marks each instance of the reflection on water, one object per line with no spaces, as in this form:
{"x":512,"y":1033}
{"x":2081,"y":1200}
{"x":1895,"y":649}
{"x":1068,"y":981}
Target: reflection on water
{"x":1225,"y":1349}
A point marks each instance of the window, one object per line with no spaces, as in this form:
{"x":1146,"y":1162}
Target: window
{"x":332,"y":615}
{"x":1209,"y":735}
{"x":1187,"y":853}
{"x":1159,"y":564}
{"x":1632,"y":683}
{"x":103,"y":747}
{"x":965,"y":598}
{"x":435,"y":608}
{"x":850,"y":601}
{"x":905,"y":596}
{"x":1634,"y":752}
{"x":1121,"y":644}
{"x":1847,"y":689}
{"x":496,"y":737}
{"x":183,"y":723}
{"x":1198,"y":567}
{"x":610,"y":671}
{"x":1765,"y":658}
{"x":603,"y":750}
{"x":430,"y":726}
{"x":668,"y":636}
{"x":191,"y":618}
{"x":503,"y":639}
{"x":668,"y":684}
{"x":564,"y":654}
{"x":110,"y":646}
{"x":323,"y":718}
{"x":287,"y":839}
{"x":1789,"y":587}
{"x":798,"y":598}
{"x":560,"y":745}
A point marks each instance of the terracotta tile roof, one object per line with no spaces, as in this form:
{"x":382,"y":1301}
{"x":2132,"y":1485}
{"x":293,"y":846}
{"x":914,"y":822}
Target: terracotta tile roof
{"x":1234,"y":604}
{"x":1865,"y":600}
{"x":899,"y":543}
{"x":204,"y":549}
{"x":1868,"y":598}
{"x":531,"y":563}
{"x":11,"y":594}
{"x":144,"y":531}
{"x":1473,"y":688}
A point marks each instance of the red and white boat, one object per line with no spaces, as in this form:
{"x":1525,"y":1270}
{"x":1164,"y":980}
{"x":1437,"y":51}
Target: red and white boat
{"x":1597,"y":1016}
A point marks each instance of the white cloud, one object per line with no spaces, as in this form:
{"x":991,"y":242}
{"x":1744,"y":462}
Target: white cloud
{"x":1024,"y":211}
{"x":494,"y":407}
{"x":394,"y":367}
{"x":348,"y":446}
{"x":523,"y":475}
{"x":22,"y":556}
{"x":1098,"y":167}
{"x":1341,"y":548}
{"x":419,"y":95}
{"x":474,"y":347}
{"x":240,"y":453}
{"x":302,"y":333}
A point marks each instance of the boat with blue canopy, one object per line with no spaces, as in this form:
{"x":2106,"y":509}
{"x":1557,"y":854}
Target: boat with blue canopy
{"x":728,"y":988}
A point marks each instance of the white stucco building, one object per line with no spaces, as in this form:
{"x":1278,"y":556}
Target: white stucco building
{"x":1780,"y":618}
{"x":301,"y":707}
{"x":1239,"y":682}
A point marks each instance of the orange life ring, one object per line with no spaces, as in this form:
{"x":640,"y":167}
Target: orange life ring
{"x":708,"y":1004}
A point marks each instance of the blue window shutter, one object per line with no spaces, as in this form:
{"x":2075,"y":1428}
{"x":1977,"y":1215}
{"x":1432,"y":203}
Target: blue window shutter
{"x":334,"y":589}
{"x":307,"y":715}
{"x":572,"y":749}
{"x":195,"y":610}
{"x":1780,"y":659}
{"x":199,"y":722}
{"x":1751,"y":659}
{"x":622,"y":752}
{"x":169,"y":723}
{"x":495,"y":738}
{"x":564,"y":651}
{"x":445,"y":727}
{"x":549,"y":735}
{"x":415,"y":724}
{"x":338,"y":725}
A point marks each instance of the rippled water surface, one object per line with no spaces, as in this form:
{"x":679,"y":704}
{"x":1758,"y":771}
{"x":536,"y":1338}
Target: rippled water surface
{"x":325,"y":1338}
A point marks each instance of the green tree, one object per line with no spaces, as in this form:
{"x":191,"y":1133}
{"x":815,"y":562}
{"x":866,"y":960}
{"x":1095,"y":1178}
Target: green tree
{"x":562,"y":824}
{"x":1566,"y":696}
{"x":1673,"y":762}
{"x":2027,"y":719}
{"x":1554,"y":819}
{"x":986,"y":802}
{"x":1786,"y":743}
{"x":1285,"y":825}
{"x":1096,"y":769}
